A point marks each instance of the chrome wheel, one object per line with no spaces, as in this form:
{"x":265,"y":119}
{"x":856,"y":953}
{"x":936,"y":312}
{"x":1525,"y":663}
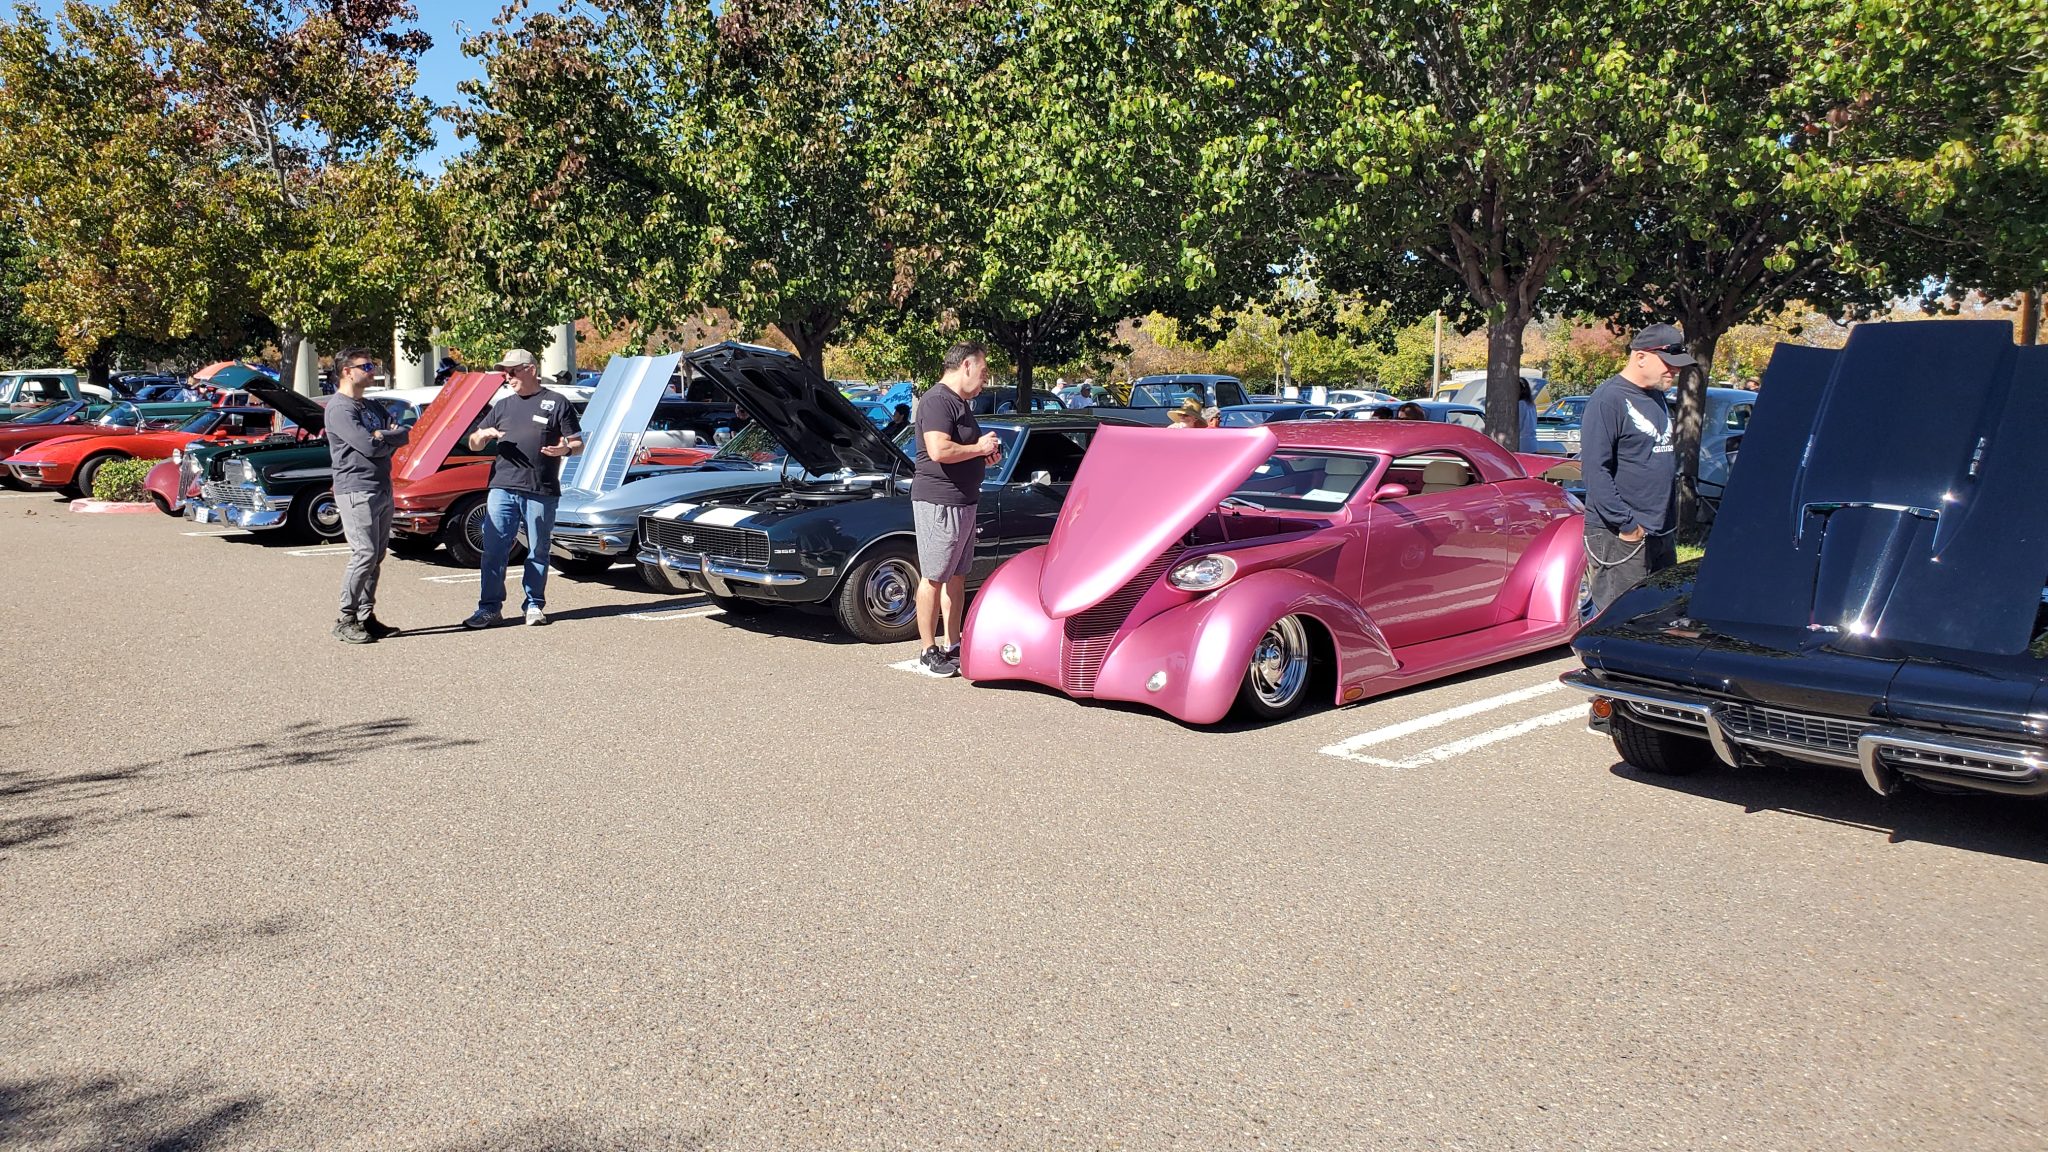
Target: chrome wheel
{"x":1279,"y":668}
{"x":889,"y":593}
{"x":1585,"y":595}
{"x":473,"y":527}
{"x":325,"y":516}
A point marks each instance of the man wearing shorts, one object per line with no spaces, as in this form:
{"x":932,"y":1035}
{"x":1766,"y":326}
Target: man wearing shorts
{"x":952,"y":454}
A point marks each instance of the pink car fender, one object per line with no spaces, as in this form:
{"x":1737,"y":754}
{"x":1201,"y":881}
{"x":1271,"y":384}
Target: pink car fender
{"x":1205,"y":646}
{"x":1006,"y":612}
{"x":1544,"y":587}
{"x":162,"y":483}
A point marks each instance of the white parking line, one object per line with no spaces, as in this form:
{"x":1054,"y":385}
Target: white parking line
{"x":221,"y":532}
{"x":910,"y":665}
{"x":696,"y":615}
{"x":1349,"y":749}
{"x":322,"y":550}
{"x":452,"y":578}
{"x":1457,"y":748}
{"x":24,"y":496}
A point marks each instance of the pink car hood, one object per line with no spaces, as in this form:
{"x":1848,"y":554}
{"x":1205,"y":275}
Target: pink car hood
{"x":1139,"y":490}
{"x":455,"y":406}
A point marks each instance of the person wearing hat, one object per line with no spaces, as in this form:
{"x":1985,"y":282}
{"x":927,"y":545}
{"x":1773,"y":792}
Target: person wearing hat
{"x":1630,"y":467}
{"x":529,"y":431}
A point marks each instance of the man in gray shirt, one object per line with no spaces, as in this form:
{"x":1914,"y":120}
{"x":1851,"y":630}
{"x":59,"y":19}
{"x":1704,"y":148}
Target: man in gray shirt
{"x":361,"y":437}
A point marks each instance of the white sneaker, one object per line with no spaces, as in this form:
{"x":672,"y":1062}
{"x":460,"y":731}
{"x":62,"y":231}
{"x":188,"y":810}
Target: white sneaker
{"x":535,"y":617}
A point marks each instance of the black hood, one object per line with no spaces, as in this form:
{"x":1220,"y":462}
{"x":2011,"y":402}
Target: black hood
{"x":296,"y":408}
{"x":822,"y":429}
{"x":1889,"y":493}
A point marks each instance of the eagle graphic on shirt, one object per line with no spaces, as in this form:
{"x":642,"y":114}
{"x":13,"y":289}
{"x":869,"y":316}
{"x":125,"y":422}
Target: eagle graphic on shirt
{"x":1660,"y":439}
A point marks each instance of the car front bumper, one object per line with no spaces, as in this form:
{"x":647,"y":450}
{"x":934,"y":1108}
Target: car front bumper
{"x":595,"y":539}
{"x":237,"y":506}
{"x":720,"y":577}
{"x":416,"y":521}
{"x":1883,"y":753}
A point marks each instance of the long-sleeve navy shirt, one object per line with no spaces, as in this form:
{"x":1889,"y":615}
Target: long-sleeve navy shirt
{"x":1625,"y":451}
{"x":362,"y":460}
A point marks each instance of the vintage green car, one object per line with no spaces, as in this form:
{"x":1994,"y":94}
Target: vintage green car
{"x":24,"y":391}
{"x":265,"y":486}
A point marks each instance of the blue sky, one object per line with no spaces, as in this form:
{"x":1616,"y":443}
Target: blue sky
{"x":442,"y":68}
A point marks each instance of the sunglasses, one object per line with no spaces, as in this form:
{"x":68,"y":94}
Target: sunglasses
{"x":1667,"y":350}
{"x":366,"y":365}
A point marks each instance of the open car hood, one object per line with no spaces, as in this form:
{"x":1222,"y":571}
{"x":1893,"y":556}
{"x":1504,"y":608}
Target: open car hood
{"x":618,"y":413}
{"x":1864,"y":527}
{"x":296,"y":408}
{"x":822,"y":429}
{"x":458,"y":404}
{"x":1139,"y":490}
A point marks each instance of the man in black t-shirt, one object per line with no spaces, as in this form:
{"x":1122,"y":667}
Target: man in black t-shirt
{"x":952,"y":454}
{"x":532,"y":429}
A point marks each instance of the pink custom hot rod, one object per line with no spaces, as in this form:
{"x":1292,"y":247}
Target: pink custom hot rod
{"x":1195,"y":569}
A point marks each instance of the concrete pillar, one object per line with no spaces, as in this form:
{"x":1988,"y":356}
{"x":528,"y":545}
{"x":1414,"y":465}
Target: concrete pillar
{"x":306,"y":376}
{"x":407,"y":370}
{"x":559,"y":353}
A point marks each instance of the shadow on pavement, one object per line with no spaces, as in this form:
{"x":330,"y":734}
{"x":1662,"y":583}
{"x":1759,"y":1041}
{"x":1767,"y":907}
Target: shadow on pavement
{"x":2014,"y":826}
{"x":205,"y":942}
{"x":573,"y":1133}
{"x":43,"y":810}
{"x":78,"y":1112}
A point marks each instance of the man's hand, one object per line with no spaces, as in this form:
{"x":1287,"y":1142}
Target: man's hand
{"x":560,"y":448}
{"x":481,"y":437}
{"x":1632,"y":535}
{"x":990,"y":446}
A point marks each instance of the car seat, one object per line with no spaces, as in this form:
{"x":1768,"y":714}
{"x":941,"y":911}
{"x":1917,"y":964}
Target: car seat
{"x":1444,"y":475}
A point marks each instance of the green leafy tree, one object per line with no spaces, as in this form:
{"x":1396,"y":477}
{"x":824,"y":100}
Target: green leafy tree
{"x":23,"y":341}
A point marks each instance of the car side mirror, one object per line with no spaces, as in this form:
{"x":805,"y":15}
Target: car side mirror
{"x":1041,"y":479}
{"x":1390,"y":492}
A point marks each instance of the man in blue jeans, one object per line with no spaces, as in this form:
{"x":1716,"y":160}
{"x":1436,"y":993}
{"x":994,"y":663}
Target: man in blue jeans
{"x":532,"y":429}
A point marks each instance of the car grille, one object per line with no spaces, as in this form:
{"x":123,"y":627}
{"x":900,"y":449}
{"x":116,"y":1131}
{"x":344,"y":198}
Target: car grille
{"x":221,"y":492}
{"x":1744,"y":722}
{"x":28,"y":471}
{"x":1089,"y":633}
{"x":746,"y":545}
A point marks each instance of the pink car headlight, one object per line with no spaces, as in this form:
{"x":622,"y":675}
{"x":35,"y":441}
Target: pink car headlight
{"x":1203,"y":573}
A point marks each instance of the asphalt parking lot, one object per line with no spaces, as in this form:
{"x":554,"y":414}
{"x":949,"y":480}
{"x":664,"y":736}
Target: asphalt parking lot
{"x":660,"y":878}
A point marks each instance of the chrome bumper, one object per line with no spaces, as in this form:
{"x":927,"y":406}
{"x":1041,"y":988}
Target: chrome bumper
{"x":616,"y":541}
{"x":1883,"y":754}
{"x":417,"y":523}
{"x":254,"y":519}
{"x":714,"y":575}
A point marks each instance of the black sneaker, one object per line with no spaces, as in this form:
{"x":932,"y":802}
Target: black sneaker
{"x":353,"y":632}
{"x":935,"y":662}
{"x":378,"y":629}
{"x":952,"y":651}
{"x":480,"y":619}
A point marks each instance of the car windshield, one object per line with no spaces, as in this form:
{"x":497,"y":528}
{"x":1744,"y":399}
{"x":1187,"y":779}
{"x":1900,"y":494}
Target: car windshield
{"x":1472,"y":420}
{"x":1244,"y":418}
{"x":54,"y":414}
{"x":753,"y":445}
{"x":1304,"y":481}
{"x":1165,"y":395}
{"x":203,"y":423}
{"x":121,"y":416}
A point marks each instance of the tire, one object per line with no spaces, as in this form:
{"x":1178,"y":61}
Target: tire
{"x":163,"y":505}
{"x":579,"y":566}
{"x":1656,"y":751}
{"x":463,"y":533}
{"x":316,"y":516}
{"x":877,"y":602}
{"x":81,"y":480}
{"x":1277,"y":677}
{"x":657,"y":579}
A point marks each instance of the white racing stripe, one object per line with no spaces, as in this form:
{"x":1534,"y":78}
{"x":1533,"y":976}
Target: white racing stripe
{"x":725,"y":517}
{"x":674,"y":511}
{"x":1348,"y":748}
{"x":1457,"y":748}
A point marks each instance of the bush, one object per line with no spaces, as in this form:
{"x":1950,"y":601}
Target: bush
{"x":120,"y":481}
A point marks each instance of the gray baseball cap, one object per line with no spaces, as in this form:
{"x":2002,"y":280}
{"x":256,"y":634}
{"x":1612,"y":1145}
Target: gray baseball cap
{"x":1667,"y":342}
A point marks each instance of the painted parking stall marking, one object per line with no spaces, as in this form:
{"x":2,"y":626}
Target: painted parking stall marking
{"x":221,"y":532}
{"x":1356,"y":748}
{"x":321,"y":550}
{"x":680,"y":610}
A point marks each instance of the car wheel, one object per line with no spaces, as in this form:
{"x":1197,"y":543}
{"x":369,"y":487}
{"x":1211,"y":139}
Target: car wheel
{"x":463,"y":533}
{"x":163,"y":505}
{"x":317,"y":516}
{"x":1276,"y":680}
{"x":81,"y":480}
{"x":1657,"y":751}
{"x":1586,"y":612}
{"x":580,"y":566}
{"x":658,"y":579}
{"x":877,"y":602}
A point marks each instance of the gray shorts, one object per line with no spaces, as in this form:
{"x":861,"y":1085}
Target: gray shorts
{"x":945,"y":539}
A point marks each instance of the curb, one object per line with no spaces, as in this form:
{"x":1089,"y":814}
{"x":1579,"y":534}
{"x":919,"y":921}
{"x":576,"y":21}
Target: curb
{"x":110,"y":507}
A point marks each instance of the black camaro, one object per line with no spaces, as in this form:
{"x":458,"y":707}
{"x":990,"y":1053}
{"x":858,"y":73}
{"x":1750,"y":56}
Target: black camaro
{"x":842,"y":541}
{"x":1871,"y":598}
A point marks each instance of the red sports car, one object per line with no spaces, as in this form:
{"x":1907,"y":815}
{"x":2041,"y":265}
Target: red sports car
{"x":69,"y":463}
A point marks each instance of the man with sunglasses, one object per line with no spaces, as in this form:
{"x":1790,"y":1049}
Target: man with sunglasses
{"x":1630,"y":467}
{"x":360,"y":440}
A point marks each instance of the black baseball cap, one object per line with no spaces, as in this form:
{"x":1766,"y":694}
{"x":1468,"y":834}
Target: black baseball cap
{"x":1667,"y":342}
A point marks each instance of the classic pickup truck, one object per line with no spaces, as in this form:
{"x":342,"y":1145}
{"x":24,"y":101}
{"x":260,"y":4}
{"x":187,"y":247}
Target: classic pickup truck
{"x":1153,"y":398}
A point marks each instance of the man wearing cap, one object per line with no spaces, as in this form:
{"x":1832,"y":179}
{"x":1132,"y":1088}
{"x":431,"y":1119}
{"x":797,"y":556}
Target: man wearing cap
{"x":1630,"y":467}
{"x":530,"y":431}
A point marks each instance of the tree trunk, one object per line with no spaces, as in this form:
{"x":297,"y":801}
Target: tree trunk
{"x":1504,"y":377}
{"x":1022,"y":356}
{"x":99,"y":367}
{"x":2030,"y":316}
{"x":1685,"y":422}
{"x":809,"y":336}
{"x":288,"y":341}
